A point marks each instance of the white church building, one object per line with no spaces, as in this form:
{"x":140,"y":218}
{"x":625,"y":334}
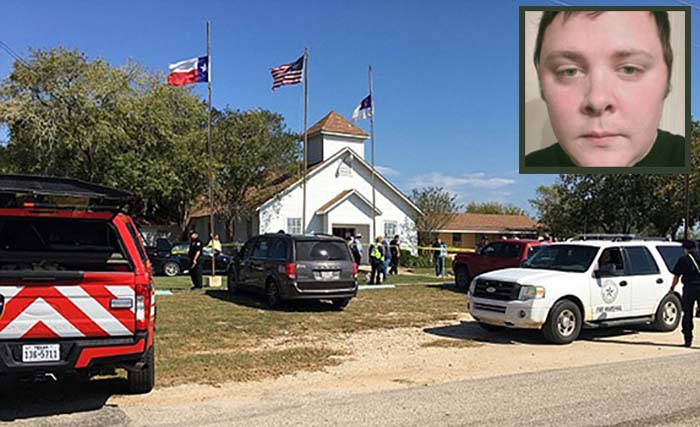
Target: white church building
{"x":338,"y":193}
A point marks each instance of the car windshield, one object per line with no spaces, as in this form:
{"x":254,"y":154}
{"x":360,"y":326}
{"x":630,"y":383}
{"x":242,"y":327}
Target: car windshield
{"x":563,"y":258}
{"x":322,"y":251}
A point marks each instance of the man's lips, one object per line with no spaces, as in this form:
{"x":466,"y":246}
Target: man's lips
{"x":601,"y":138}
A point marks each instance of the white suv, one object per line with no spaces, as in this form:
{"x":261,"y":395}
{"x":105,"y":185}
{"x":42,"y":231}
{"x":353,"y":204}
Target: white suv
{"x":567,"y":286}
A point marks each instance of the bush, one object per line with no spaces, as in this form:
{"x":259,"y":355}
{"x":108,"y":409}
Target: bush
{"x":422,"y":260}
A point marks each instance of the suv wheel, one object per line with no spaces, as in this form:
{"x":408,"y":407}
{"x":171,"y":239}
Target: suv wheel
{"x":171,"y":269}
{"x":462,"y":278}
{"x":143,"y":380}
{"x":563,"y":323}
{"x":273,"y":300}
{"x":340,"y":303}
{"x":668,"y":315}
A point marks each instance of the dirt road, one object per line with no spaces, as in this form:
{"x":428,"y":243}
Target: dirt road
{"x":375,"y":362}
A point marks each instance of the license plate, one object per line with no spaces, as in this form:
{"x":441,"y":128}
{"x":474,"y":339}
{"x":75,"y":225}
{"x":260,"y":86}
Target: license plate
{"x":329,"y":275}
{"x":41,"y":353}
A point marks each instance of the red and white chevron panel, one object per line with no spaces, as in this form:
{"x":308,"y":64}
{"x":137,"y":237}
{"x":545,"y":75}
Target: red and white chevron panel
{"x":42,"y":312}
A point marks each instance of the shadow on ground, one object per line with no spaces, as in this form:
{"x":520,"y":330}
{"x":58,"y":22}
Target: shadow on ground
{"x":471,"y":330}
{"x":23,"y":400}
{"x":253,"y":300}
{"x":449,"y":286}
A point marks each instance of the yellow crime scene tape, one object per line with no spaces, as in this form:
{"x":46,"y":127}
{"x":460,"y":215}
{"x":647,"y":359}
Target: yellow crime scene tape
{"x":366,"y":245}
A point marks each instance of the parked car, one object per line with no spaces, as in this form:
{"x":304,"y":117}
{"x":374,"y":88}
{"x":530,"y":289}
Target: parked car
{"x":287,"y":267}
{"x":76,"y":290}
{"x":499,"y":254}
{"x":577,"y":284}
{"x":172,"y":260}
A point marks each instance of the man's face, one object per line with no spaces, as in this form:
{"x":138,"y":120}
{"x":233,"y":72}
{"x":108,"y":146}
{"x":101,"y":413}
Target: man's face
{"x":604,"y":81}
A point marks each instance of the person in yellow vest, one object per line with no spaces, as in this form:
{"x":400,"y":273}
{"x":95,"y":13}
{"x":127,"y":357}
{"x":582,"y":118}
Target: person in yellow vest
{"x":376,"y":259}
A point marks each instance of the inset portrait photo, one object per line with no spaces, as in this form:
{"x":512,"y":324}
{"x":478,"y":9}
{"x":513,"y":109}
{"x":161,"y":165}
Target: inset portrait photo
{"x":604,"y":90}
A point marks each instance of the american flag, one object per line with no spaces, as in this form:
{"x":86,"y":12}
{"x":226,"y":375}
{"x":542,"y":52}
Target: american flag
{"x":287,"y":74}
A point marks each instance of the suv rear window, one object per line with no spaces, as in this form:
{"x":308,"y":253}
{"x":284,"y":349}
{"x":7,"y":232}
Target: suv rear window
{"x":670,"y":254}
{"x":322,"y":251}
{"x":58,"y":244}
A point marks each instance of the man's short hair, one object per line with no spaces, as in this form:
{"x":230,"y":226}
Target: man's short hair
{"x":663,"y":29}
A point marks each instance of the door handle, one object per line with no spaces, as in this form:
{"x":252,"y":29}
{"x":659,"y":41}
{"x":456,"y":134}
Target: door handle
{"x":623,"y":283}
{"x":659,"y":280}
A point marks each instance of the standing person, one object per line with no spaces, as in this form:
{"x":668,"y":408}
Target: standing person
{"x":194,"y":253}
{"x":688,"y":270}
{"x":387,"y":258}
{"x":215,"y":243}
{"x":376,"y":259}
{"x":439,"y":255}
{"x":483,"y":242}
{"x":395,"y":250}
{"x":356,"y":249}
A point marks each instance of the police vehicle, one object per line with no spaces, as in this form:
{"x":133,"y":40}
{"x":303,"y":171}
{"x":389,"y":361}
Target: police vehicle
{"x":582,"y":284}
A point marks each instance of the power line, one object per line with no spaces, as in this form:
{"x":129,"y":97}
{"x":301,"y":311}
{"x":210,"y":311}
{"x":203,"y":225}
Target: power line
{"x":13,"y":54}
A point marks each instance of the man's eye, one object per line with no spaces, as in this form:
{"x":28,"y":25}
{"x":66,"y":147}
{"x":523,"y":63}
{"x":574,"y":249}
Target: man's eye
{"x":630,"y":71}
{"x":568,"y":72}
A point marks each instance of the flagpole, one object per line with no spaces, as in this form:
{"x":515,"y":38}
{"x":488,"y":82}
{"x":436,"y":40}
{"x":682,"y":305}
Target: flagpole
{"x":306,"y":136}
{"x":371,"y":121}
{"x":211,"y":156}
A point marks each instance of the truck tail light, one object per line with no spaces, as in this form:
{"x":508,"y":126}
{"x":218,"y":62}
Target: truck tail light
{"x":143,"y":306}
{"x":355,"y":270}
{"x":291,"y":270}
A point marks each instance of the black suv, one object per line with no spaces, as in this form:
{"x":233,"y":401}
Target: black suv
{"x":284,"y":267}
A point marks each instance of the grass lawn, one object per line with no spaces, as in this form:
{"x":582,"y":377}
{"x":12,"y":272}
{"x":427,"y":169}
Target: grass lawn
{"x":210,"y":337}
{"x":184,"y":282}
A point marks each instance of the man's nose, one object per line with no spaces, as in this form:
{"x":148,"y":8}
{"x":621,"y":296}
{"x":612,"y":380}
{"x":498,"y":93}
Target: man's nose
{"x":599,"y":95}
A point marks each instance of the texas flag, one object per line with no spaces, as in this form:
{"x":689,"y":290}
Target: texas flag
{"x":195,"y":70}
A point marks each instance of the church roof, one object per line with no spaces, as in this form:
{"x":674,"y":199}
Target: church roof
{"x":335,"y":201}
{"x":288,"y":184}
{"x":335,"y":123}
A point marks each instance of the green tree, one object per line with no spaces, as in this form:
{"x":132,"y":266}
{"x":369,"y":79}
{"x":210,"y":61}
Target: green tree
{"x":494,"y":208}
{"x":439,"y":208}
{"x":251,"y":148}
{"x":117,"y":126}
{"x":644,"y":204}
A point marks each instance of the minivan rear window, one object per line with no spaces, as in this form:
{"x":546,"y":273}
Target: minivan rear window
{"x":322,"y":251}
{"x":60,"y":244}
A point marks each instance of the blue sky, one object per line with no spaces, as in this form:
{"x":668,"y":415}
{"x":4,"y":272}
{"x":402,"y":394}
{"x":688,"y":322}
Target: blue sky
{"x":445,"y":72}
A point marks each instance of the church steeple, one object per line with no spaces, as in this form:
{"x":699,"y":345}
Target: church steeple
{"x":331,"y":134}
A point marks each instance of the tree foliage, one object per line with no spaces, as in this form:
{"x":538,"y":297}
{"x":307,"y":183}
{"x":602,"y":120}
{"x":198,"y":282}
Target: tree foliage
{"x":644,"y":204}
{"x":439,"y":208}
{"x":494,"y":208}
{"x":251,"y":147}
{"x":118,"y":126}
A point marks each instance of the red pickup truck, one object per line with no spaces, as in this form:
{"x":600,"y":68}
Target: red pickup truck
{"x":76,"y":290}
{"x":505,"y":253}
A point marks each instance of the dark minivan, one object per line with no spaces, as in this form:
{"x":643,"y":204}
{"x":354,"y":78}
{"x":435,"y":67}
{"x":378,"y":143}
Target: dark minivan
{"x":286,"y":267}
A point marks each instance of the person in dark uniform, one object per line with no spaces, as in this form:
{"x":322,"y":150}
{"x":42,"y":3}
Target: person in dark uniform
{"x":194,"y":254}
{"x":688,"y":270}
